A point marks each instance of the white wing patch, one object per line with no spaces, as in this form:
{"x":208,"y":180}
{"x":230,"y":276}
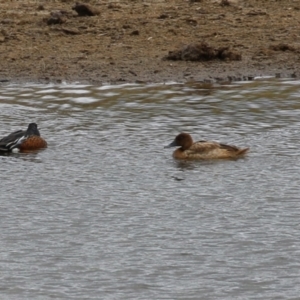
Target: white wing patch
{"x":16,"y":142}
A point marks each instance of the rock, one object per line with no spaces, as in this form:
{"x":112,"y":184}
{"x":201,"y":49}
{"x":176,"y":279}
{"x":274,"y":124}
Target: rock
{"x":203,"y":52}
{"x":85,"y":10}
{"x":72,"y":31}
{"x":56,"y":17}
{"x":163,"y":16}
{"x":226,"y":54}
{"x":282,"y":47}
{"x":135,"y":32}
{"x":225,"y":3}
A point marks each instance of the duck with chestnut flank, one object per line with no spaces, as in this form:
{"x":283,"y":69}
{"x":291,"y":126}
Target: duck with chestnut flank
{"x":23,"y":141}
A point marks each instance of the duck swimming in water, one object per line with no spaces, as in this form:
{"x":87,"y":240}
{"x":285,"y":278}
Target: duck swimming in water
{"x":203,"y":149}
{"x":21,"y":140}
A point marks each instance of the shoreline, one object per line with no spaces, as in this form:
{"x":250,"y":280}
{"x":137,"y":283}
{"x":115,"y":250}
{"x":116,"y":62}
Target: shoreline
{"x":127,"y":42}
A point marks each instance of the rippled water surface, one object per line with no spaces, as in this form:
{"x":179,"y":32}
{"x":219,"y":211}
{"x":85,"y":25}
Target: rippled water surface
{"x":106,"y":213}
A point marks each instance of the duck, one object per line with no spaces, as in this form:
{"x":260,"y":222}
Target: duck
{"x":203,"y":149}
{"x":23,"y":140}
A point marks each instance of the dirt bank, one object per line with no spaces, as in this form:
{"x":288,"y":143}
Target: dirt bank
{"x":128,"y":41}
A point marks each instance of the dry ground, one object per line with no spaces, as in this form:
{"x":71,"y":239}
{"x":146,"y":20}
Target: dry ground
{"x":129,"y":40}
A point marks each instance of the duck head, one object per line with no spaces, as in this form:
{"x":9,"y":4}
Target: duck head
{"x":183,"y":140}
{"x":32,"y":129}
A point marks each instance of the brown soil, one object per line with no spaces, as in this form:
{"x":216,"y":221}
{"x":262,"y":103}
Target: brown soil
{"x":134,"y":40}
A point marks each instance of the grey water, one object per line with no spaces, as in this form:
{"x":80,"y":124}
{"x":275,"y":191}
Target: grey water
{"x":105,"y":212}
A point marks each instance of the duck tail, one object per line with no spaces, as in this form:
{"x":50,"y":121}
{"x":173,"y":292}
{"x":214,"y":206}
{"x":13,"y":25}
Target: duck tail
{"x":243,"y":151}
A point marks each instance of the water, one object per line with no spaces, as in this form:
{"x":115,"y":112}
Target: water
{"x":106,"y":213}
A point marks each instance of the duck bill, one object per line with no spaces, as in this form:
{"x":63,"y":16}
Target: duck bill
{"x":173,"y":144}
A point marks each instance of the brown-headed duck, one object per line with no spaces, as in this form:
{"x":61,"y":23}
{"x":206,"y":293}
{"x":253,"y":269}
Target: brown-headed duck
{"x":203,"y":149}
